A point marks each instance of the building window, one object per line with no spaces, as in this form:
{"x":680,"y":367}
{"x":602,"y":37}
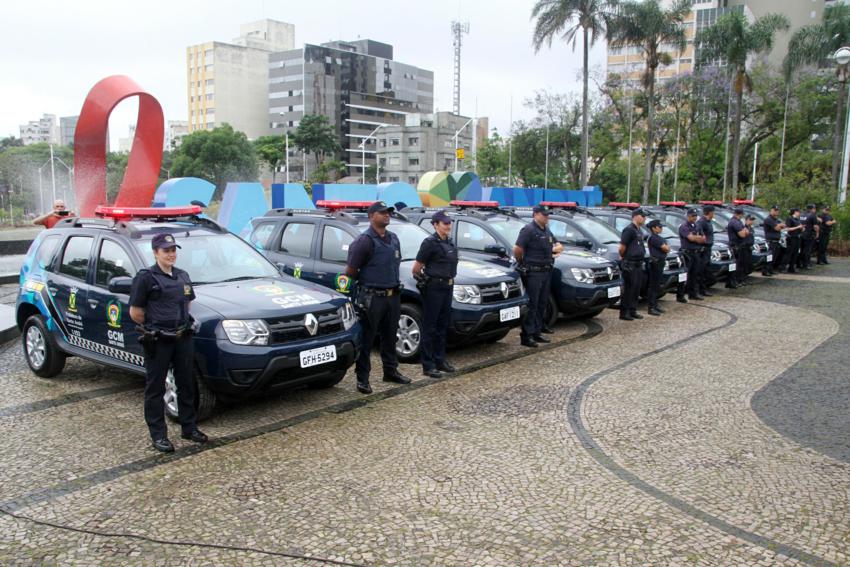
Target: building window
{"x":414,"y":141}
{"x":210,"y":125}
{"x":209,"y":97}
{"x":392,"y":179}
{"x":395,"y":142}
{"x":208,"y":68}
{"x":413,"y":161}
{"x":447,"y":144}
{"x":395,"y":160}
{"x":412,"y":180}
{"x":382,"y":161}
{"x":209,"y":82}
{"x":383,"y":142}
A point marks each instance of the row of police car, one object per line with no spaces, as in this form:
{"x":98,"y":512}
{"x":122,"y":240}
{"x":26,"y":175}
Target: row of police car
{"x":273,"y":308}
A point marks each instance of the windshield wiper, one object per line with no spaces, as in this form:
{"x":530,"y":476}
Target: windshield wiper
{"x":240,"y":278}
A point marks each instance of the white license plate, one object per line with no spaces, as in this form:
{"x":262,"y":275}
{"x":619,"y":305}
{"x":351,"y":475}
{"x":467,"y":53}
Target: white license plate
{"x":683,"y":277}
{"x":316,"y":356}
{"x":733,"y":267}
{"x":613,"y":292}
{"x":770,"y":257}
{"x":509,"y":314}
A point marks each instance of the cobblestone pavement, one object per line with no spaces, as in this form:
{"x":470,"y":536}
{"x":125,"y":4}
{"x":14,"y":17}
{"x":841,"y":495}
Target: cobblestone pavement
{"x":672,"y":441}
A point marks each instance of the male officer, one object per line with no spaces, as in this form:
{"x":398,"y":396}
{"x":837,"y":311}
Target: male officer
{"x":705,"y":226}
{"x":811,"y":230}
{"x":792,"y":241}
{"x":737,"y":234}
{"x":747,"y":251}
{"x":436,"y":268}
{"x":826,"y":222}
{"x":373,"y":260}
{"x":535,"y":251}
{"x":773,"y":227}
{"x":632,"y":253}
{"x":691,"y":244}
{"x":159,"y":301}
{"x":658,"y":250}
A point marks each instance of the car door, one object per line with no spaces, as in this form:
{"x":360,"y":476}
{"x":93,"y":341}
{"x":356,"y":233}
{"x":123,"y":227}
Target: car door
{"x":261,"y":234}
{"x":473,"y":238}
{"x":68,"y":287}
{"x":109,"y":312}
{"x":334,"y":243}
{"x":293,"y":248}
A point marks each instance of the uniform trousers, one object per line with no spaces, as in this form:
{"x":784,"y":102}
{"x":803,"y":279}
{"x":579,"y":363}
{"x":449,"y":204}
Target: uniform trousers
{"x":538,"y":285}
{"x":178,"y":353}
{"x":773,"y":249}
{"x":806,"y":248}
{"x":792,"y":249}
{"x":656,"y":274}
{"x":704,"y":261}
{"x":823,"y":243}
{"x":632,"y":282}
{"x":437,"y":305}
{"x":693,"y":263}
{"x":379,"y":316}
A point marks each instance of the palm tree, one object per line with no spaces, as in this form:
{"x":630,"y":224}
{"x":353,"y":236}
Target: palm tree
{"x":734,"y":39}
{"x":566,"y":18}
{"x":648,"y":26}
{"x":815,"y":44}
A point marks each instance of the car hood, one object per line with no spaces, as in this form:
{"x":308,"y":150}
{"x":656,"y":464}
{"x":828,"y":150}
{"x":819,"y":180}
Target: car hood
{"x":473,"y":272}
{"x":265,"y":298}
{"x":574,"y":257}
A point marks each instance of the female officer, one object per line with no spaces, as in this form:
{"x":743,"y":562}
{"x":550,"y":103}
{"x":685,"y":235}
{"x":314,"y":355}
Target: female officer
{"x":159,"y":301}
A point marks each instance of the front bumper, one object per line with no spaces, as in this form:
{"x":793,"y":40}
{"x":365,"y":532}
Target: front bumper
{"x":576,"y":298}
{"x":476,"y":322}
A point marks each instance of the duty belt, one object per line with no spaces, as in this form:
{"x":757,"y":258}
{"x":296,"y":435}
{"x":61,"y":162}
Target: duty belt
{"x":633,"y":262}
{"x":538,"y":268}
{"x":441,"y":281}
{"x":381,"y":292}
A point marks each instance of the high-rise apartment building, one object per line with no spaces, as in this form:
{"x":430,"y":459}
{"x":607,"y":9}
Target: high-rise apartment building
{"x":67,"y":129}
{"x":43,"y":130}
{"x":228,"y":82}
{"x":357,"y":85}
{"x":175,"y":130}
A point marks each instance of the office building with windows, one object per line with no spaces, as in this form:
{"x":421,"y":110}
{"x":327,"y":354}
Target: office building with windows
{"x":43,"y":130}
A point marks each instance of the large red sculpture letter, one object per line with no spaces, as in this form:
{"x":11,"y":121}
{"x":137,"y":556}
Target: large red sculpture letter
{"x":139,"y":184}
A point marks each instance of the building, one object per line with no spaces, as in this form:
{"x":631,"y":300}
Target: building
{"x":175,"y":130}
{"x":425,"y":142}
{"x":67,"y":129}
{"x":228,"y":82}
{"x":42,"y":131}
{"x":126,"y":144}
{"x":357,"y":85}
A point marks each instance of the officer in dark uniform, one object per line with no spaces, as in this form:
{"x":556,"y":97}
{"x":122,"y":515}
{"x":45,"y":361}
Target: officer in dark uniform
{"x":826,"y":223}
{"x":747,"y":251}
{"x":632,"y":254}
{"x":773,"y":227}
{"x":535,"y":251}
{"x":658,"y":250}
{"x":691,"y":244}
{"x":737,"y":233}
{"x":811,"y":228}
{"x":159,"y":302}
{"x":435,"y":269}
{"x":705,"y":226}
{"x":792,"y":241}
{"x":373,"y":260}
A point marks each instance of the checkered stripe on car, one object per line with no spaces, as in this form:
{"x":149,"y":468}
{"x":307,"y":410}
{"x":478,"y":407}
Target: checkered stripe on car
{"x":113,"y":352}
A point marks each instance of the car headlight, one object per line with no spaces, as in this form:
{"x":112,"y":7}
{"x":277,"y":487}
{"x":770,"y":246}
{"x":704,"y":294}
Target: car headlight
{"x":582,"y":275}
{"x":247,"y":331}
{"x":467,"y":294}
{"x":756,"y":248}
{"x":346,"y":313}
{"x":715,"y":255}
{"x":521,"y":286}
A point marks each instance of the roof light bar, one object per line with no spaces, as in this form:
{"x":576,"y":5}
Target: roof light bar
{"x":673,"y":203}
{"x":146,"y":212}
{"x":742,"y":202}
{"x":344,"y":204}
{"x":711,"y":202}
{"x":560,"y":204}
{"x":624,"y":205}
{"x":482,"y":204}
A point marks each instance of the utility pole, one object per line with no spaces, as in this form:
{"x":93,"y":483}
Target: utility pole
{"x":52,"y":175}
{"x":546,"y":174}
{"x":458,"y":29}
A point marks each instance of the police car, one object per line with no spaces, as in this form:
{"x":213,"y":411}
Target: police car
{"x":583,"y":283}
{"x":312,"y":244}
{"x":257,"y":330}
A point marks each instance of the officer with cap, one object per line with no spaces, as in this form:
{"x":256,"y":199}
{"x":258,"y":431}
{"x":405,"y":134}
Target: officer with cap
{"x":535,"y":251}
{"x":705,"y":226}
{"x":737,"y":235}
{"x":826,"y":223}
{"x":811,"y":230}
{"x":658,"y":250}
{"x":747,"y":251}
{"x":374,"y":259}
{"x":632,"y":253}
{"x":159,"y":302}
{"x":792,"y":241}
{"x":691,"y":243}
{"x":773,"y":227}
{"x":435,"y":268}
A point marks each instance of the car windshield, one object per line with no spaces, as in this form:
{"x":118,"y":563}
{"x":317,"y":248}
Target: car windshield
{"x":598,"y":230}
{"x":409,"y":235}
{"x":507,"y":228}
{"x":215,"y":258}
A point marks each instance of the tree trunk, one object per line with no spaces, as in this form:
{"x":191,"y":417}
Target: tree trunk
{"x":736,"y":135}
{"x":650,"y":134}
{"x":585,"y":136}
{"x":838,"y":142}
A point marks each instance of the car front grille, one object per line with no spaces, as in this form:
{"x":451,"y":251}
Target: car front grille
{"x":673,"y":263}
{"x":492,"y":293}
{"x":285,"y":329}
{"x":761,"y":247}
{"x":603,"y":275}
{"x":725,"y":254}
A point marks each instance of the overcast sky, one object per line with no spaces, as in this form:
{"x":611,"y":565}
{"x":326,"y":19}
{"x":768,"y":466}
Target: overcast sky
{"x":53,"y":51}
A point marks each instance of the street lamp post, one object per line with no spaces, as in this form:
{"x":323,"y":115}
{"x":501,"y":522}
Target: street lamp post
{"x":362,"y":147}
{"x":456,"y":139}
{"x":658,"y":190}
{"x":70,"y":176}
{"x":842,"y":58}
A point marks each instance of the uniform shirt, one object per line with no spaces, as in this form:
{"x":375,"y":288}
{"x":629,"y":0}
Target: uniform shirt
{"x":439,"y":256}
{"x":633,"y":241}
{"x":732,"y":229}
{"x":376,"y":258}
{"x":770,"y":230}
{"x":750,"y":239}
{"x":810,"y":222}
{"x":791,"y":222}
{"x":164,"y":297}
{"x":536,"y":244}
{"x":656,"y":241}
{"x":824,"y":228}
{"x":686,"y":229}
{"x":706,"y":228}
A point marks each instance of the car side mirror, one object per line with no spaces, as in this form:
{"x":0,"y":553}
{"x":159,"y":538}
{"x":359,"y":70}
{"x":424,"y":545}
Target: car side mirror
{"x":496,"y":249}
{"x":280,"y":267}
{"x":584,"y":243}
{"x":121,"y":284}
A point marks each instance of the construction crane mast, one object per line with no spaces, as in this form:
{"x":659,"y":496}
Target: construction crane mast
{"x":458,"y":29}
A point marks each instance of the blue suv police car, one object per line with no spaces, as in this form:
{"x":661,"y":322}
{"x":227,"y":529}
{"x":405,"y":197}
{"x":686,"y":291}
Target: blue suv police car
{"x":257,"y":330}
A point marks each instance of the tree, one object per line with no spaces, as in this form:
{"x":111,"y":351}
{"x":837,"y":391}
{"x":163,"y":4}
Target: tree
{"x":815,"y":44}
{"x":219,"y":155}
{"x":10,"y":142}
{"x":733,"y":39}
{"x":316,"y":136}
{"x":330,"y":170}
{"x":566,"y":18}
{"x":271,"y":150}
{"x":648,"y":26}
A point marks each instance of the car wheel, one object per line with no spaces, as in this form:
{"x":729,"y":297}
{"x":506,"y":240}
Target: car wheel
{"x":205,"y":398}
{"x":498,"y":337}
{"x":409,"y":335}
{"x":330,"y":382}
{"x":40,"y":349}
{"x":552,"y":314}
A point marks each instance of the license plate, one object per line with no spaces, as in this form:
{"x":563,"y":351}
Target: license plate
{"x":733,"y":267}
{"x":770,"y":257}
{"x":316,"y":356}
{"x":683,"y":277}
{"x":508,"y":314}
{"x":613,"y":292}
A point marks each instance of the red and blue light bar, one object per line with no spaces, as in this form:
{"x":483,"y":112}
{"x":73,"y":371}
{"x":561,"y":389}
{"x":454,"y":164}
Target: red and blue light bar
{"x":145,"y":212}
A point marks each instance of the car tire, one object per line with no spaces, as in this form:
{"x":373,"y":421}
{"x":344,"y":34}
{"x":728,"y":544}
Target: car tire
{"x":205,"y":399}
{"x":552,"y":314}
{"x":328,"y":382}
{"x":498,"y":337}
{"x":40,"y":349}
{"x":409,"y":336}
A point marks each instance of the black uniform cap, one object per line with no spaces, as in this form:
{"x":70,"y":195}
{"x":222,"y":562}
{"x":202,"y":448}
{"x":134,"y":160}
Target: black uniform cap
{"x":379,"y":207}
{"x":638,"y":212}
{"x":707,"y":209}
{"x":163,"y":240}
{"x":738,"y":211}
{"x":692,"y":212}
{"x":653,"y":223}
